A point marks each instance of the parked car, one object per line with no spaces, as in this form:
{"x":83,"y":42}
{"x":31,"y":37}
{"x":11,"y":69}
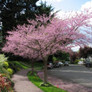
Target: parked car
{"x":66,"y":63}
{"x":49,"y":65}
{"x":58,"y":64}
{"x":88,"y":62}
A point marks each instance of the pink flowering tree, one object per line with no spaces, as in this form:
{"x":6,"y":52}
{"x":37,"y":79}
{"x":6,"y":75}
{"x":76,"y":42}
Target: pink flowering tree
{"x":40,"y":42}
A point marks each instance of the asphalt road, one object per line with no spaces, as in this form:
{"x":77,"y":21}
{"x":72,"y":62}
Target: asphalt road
{"x":73,"y":73}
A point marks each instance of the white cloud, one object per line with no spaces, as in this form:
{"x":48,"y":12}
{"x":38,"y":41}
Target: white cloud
{"x":63,"y":14}
{"x":52,"y":0}
{"x":87,"y":5}
{"x":49,"y":1}
{"x":76,"y":49}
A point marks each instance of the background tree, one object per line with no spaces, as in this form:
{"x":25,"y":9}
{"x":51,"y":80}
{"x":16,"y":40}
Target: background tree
{"x":74,"y":56}
{"x":46,"y":40}
{"x":62,"y":56}
{"x":85,"y":52}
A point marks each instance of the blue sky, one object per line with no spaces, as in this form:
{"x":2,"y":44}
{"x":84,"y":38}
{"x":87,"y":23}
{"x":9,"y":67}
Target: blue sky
{"x":67,"y":5}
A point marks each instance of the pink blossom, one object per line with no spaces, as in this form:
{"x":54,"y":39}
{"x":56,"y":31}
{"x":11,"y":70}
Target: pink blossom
{"x":45,"y":40}
{"x":38,"y":40}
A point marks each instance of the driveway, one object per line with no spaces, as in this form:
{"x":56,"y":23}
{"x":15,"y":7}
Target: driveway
{"x":74,"y":73}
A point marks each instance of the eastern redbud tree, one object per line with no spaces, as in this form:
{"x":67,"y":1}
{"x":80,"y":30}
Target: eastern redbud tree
{"x":40,"y":41}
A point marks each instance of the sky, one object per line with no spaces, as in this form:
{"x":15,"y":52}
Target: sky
{"x":67,"y":6}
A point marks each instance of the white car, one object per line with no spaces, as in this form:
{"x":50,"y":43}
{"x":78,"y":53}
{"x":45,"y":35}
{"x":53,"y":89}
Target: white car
{"x":60,"y":63}
{"x":66,"y":63}
{"x":49,"y":65}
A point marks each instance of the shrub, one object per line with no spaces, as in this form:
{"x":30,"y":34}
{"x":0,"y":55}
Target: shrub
{"x":76,"y":61}
{"x":10,"y":71}
{"x":6,"y":65}
{"x":2,"y":62}
{"x":12,"y":83}
{"x":2,"y":59}
{"x":5,"y":84}
{"x":14,"y":66}
{"x":54,"y":59}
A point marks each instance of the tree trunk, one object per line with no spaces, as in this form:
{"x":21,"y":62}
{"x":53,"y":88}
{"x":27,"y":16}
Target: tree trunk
{"x":45,"y":71}
{"x":32,"y":65}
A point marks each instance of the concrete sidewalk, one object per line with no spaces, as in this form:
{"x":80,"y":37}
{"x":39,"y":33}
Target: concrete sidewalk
{"x":22,"y":84}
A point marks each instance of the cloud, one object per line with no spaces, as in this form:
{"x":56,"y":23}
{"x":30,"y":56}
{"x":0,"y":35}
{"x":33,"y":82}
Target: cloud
{"x":52,"y":0}
{"x":75,"y":49}
{"x":87,"y":5}
{"x":49,"y":1}
{"x":64,"y":15}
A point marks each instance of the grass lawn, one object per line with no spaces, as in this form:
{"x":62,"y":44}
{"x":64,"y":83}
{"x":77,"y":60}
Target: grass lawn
{"x":21,"y":65}
{"x":26,"y":65}
{"x":37,"y":81}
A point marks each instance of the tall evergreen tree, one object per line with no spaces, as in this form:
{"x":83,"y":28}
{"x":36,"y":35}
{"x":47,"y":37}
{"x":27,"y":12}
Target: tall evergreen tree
{"x":14,"y":12}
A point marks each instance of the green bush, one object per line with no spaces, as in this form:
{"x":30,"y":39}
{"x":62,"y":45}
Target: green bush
{"x":5,"y":84}
{"x":76,"y":61}
{"x":2,"y":59}
{"x":12,"y":83}
{"x":6,"y":65}
{"x":16,"y":66}
{"x":54,"y":59}
{"x":10,"y":71}
{"x":2,"y":68}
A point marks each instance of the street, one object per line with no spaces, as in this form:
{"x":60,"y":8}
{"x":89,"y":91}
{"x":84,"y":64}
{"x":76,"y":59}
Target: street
{"x":73,"y":73}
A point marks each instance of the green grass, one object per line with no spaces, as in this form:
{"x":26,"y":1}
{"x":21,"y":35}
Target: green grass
{"x":37,"y":81}
{"x":22,"y":65}
{"x":38,"y":66}
{"x":19,"y":64}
